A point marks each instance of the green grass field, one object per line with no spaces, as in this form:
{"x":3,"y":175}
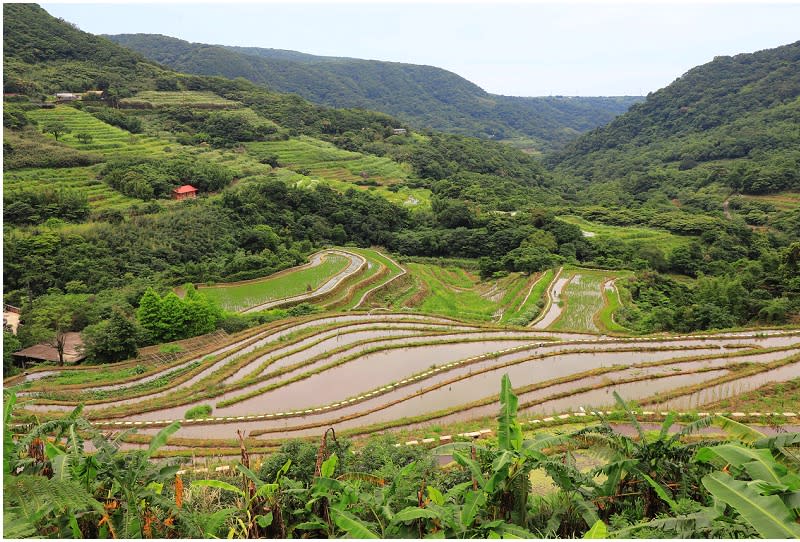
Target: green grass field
{"x":183,"y":97}
{"x":634,"y":235}
{"x":238,"y":297}
{"x":783,"y":201}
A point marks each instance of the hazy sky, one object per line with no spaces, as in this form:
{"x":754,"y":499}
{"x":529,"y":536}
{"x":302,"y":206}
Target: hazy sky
{"x":587,"y":48}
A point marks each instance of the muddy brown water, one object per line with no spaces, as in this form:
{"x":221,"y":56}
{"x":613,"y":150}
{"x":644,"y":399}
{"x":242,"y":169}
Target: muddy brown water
{"x":555,"y":309}
{"x":458,"y":392}
{"x":594,"y":399}
{"x":767,"y":340}
{"x":736,"y":387}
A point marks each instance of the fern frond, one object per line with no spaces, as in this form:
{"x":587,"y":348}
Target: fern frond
{"x":16,"y":527}
{"x":31,"y":495}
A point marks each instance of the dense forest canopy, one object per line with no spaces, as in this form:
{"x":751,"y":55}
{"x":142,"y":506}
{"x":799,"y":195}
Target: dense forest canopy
{"x":732,"y":121}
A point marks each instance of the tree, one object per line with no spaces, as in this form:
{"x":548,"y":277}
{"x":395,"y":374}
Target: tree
{"x":149,"y":313}
{"x":10,"y":345}
{"x":84,"y":138}
{"x":111,"y":340}
{"x":56,"y":128}
{"x":51,"y":318}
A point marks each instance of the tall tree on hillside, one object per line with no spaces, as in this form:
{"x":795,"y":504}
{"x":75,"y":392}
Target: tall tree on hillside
{"x":51,"y":318}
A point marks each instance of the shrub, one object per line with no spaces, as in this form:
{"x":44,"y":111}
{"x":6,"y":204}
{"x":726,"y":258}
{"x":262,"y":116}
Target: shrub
{"x":199,"y":411}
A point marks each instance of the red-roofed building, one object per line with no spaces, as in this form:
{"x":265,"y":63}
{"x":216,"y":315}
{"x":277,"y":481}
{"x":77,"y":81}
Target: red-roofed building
{"x":186,"y":191}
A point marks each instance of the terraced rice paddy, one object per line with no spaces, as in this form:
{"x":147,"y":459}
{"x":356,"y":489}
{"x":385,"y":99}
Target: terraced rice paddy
{"x":322,"y":162}
{"x":784,"y":201}
{"x":367,"y":372}
{"x":83,"y":179}
{"x":195,"y":98}
{"x":363,"y":372}
{"x":257,"y":294}
{"x":106,"y":139}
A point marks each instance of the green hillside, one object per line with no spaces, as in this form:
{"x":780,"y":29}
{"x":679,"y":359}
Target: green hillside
{"x":88,"y":208}
{"x":732,"y":121}
{"x":423,"y":96}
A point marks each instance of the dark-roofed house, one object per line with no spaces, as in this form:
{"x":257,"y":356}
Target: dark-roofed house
{"x":186,"y":191}
{"x":73,"y":351}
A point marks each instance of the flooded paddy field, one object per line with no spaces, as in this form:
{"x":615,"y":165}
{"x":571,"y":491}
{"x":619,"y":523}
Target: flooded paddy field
{"x":360,"y":371}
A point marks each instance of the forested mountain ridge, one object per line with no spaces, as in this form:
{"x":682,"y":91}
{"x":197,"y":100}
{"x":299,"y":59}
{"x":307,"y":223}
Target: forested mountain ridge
{"x":732,"y":121}
{"x":424,"y":96}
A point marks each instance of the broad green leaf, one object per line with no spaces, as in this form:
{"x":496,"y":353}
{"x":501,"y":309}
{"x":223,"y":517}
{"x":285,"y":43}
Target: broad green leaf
{"x":249,"y":474}
{"x":216,"y":520}
{"x":668,"y":421}
{"x":73,"y":525}
{"x":351,"y":525}
{"x":61,"y":464}
{"x":509,"y":432}
{"x":435,"y":495}
{"x":465,"y":461}
{"x":768,"y":515}
{"x":265,"y":520}
{"x":311,"y":525}
{"x":219,"y":484}
{"x":284,"y":469}
{"x":738,"y":430}
{"x":323,"y":486}
{"x":168,"y":472}
{"x":472,"y":504}
{"x":454,"y":492}
{"x":329,"y":466}
{"x":779,"y":441}
{"x":511,"y":530}
{"x":266,"y":490}
{"x":51,"y":450}
{"x":500,"y":468}
{"x":661,"y":492}
{"x":161,"y":438}
{"x":414,"y":512}
{"x":759,"y":464}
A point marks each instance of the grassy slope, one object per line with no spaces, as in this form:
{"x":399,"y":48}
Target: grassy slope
{"x":636,"y":236}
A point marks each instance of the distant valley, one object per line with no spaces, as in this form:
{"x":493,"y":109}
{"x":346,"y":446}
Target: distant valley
{"x":423,"y":96}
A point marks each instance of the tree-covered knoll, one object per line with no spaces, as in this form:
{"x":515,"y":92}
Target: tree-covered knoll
{"x":732,"y":121}
{"x":423,"y":96}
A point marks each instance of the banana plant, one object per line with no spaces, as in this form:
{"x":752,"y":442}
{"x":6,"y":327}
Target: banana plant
{"x":763,"y":492}
{"x":255,"y":511}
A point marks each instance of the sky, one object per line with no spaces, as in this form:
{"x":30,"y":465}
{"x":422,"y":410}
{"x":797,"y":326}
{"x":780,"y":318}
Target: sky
{"x":572,"y":48}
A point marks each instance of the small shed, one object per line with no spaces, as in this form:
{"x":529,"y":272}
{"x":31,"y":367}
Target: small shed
{"x":186,"y":191}
{"x":73,"y":351}
{"x":399,"y":131}
{"x":67,"y":97}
